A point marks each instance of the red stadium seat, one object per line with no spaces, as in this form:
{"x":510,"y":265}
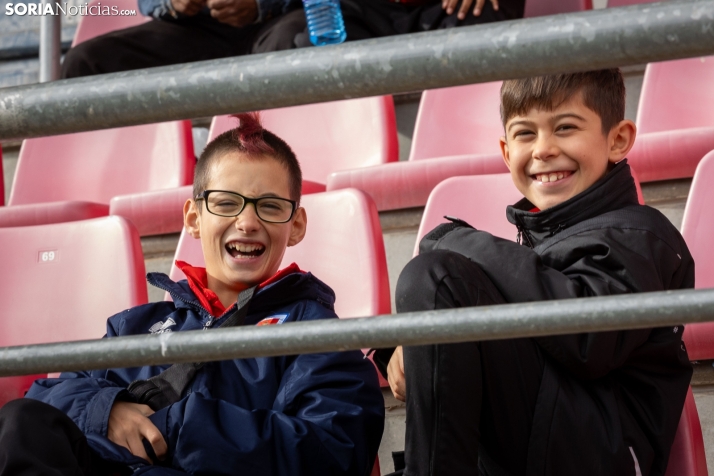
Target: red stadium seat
{"x":537,"y":8}
{"x":457,"y":129}
{"x":687,"y":457}
{"x":74,"y":176}
{"x":331,"y":136}
{"x":62,"y":282}
{"x":90,"y":26}
{"x":697,"y":228}
{"x":343,"y":247}
{"x":675,"y":119}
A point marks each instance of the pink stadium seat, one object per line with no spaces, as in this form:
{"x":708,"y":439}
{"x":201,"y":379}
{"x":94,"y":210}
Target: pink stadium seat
{"x":74,"y":176}
{"x":675,"y":119}
{"x":697,"y":228}
{"x":331,"y":136}
{"x":457,"y":129}
{"x":62,"y":281}
{"x":90,"y":26}
{"x":687,"y":457}
{"x":537,"y":8}
{"x":343,"y":247}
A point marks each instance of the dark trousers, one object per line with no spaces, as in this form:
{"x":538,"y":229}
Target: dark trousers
{"x":464,"y":396}
{"x":36,"y":439}
{"x":161,"y":43}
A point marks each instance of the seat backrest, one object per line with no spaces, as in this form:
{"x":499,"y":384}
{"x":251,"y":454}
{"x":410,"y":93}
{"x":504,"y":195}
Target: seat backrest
{"x":98,"y":165}
{"x":62,"y":281}
{"x":698,"y":222}
{"x":343,"y":247}
{"x":458,"y":121}
{"x":331,"y":136}
{"x":687,"y":457}
{"x":480,"y":200}
{"x":90,"y":26}
{"x":677,"y":95}
{"x":537,"y":8}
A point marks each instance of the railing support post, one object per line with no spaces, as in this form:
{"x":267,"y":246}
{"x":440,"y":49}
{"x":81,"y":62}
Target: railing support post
{"x":50,"y":30}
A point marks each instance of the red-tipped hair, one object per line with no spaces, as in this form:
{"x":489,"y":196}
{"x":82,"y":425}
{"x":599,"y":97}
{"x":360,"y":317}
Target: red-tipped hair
{"x":250,"y":133}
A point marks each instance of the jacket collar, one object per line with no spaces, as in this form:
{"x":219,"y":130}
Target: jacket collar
{"x":280,"y":290}
{"x":614,"y":191}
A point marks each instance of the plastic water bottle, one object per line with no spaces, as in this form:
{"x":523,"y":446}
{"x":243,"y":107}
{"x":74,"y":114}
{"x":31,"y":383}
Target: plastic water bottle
{"x":324,"y":22}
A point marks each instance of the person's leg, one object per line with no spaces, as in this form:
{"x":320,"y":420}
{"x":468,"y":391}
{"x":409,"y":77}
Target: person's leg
{"x":460,"y":395}
{"x":36,"y":439}
{"x":157,"y":43}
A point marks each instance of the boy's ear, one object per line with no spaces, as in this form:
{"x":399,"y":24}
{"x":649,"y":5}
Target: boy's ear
{"x":504,"y":152}
{"x":621,"y":139}
{"x":192,"y":218}
{"x":298,"y":227}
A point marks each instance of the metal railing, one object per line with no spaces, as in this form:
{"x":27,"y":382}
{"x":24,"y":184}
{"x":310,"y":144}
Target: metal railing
{"x":50,"y":46}
{"x":671,"y":308}
{"x":571,"y":42}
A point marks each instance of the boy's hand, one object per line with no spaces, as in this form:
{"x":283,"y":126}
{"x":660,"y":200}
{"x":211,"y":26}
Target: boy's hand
{"x":450,"y":6}
{"x":234,"y":12}
{"x":129,"y":424}
{"x":395,"y":374}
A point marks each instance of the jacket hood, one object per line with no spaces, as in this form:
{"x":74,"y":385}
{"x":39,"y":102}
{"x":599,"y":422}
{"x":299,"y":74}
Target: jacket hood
{"x":614,"y":191}
{"x":291,"y":288}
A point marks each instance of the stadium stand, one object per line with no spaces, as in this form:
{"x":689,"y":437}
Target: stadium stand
{"x":352,"y":133}
{"x":537,"y":8}
{"x":67,"y":279}
{"x":90,"y":26}
{"x":697,"y":228}
{"x":468,"y":116}
{"x":74,"y":176}
{"x":675,"y":119}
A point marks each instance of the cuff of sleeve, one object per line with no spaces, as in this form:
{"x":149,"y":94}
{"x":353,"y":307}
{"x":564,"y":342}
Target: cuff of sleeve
{"x":99,"y":408}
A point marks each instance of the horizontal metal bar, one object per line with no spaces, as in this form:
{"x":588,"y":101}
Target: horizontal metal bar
{"x":454,"y":325}
{"x":572,"y":42}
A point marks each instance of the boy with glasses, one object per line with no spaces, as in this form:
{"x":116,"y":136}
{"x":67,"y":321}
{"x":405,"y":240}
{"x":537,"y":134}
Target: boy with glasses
{"x":304,"y":414}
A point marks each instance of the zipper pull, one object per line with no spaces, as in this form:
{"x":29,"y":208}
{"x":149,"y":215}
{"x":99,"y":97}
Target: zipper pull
{"x":209,"y":323}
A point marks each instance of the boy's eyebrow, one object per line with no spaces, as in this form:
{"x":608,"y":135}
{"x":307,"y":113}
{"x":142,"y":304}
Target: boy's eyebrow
{"x":555,"y":119}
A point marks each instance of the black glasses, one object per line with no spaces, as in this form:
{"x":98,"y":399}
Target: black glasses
{"x":231,"y":204}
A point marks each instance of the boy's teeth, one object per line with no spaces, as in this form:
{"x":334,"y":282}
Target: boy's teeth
{"x":551,"y":177}
{"x":245,"y":248}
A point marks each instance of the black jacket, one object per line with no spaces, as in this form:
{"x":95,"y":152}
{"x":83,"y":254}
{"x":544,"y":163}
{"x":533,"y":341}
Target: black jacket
{"x":606,"y":395}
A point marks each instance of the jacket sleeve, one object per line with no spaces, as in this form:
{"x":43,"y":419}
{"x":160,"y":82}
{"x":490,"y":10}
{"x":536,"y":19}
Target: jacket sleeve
{"x":327,"y":418}
{"x":86,"y":397}
{"x":595,"y":263}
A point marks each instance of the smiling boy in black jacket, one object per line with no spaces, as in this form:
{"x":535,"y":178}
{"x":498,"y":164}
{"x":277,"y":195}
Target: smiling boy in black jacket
{"x":587,"y":404}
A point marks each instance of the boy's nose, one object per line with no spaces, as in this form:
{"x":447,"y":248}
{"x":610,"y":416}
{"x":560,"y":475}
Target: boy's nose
{"x":248,"y":220}
{"x":545,"y":147}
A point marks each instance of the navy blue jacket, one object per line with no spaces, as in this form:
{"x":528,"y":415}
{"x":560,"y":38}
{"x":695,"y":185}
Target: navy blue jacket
{"x":292,"y":415}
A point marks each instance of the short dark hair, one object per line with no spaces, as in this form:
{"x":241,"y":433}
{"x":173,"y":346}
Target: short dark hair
{"x":251,"y":139}
{"x":603,"y":92}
